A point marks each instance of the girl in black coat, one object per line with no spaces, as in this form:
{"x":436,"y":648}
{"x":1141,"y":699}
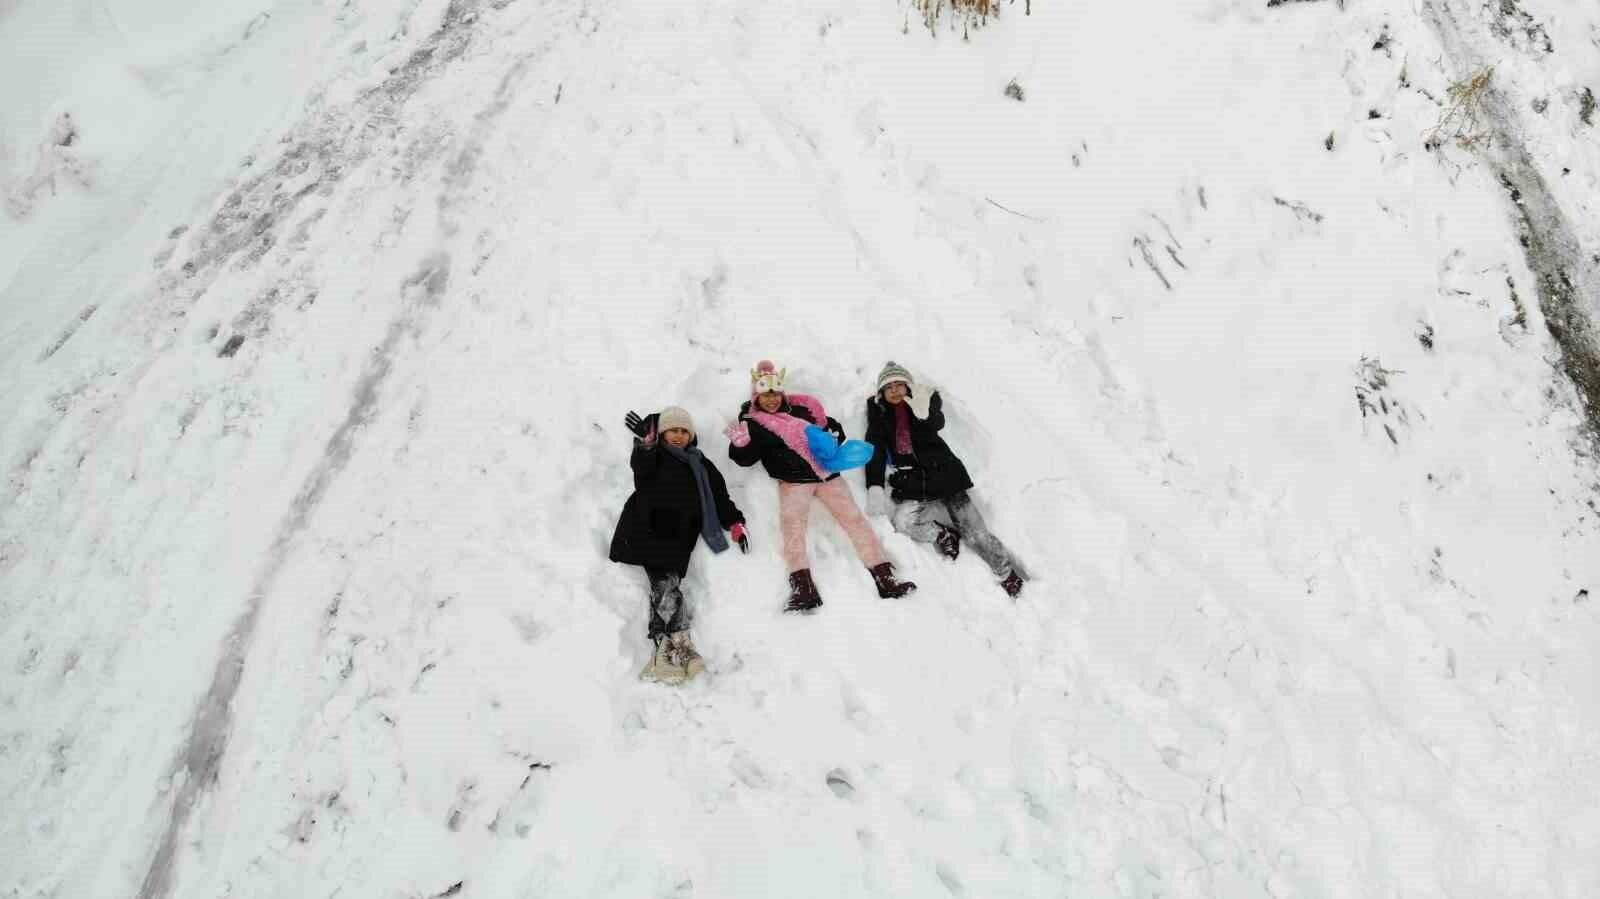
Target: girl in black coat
{"x":773,"y":429}
{"x":904,"y":430}
{"x":679,"y":497}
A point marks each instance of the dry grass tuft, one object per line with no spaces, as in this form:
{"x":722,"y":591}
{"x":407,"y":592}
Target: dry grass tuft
{"x":1462,"y":121}
{"x":966,"y":14}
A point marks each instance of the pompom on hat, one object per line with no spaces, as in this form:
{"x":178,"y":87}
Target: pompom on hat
{"x":674,"y":417}
{"x":766,"y":377}
{"x":892,"y":372}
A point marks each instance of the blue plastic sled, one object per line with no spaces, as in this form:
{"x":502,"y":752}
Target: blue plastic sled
{"x":836,"y":456}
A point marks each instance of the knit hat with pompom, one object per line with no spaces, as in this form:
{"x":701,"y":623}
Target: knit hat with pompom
{"x":892,"y":372}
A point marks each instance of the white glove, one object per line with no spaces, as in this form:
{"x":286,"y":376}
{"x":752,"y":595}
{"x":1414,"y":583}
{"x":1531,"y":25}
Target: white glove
{"x":919,"y":400}
{"x":877,"y":502}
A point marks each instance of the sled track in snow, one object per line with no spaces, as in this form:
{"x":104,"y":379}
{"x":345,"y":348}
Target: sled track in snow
{"x":202,"y":754}
{"x":1567,"y":282}
{"x":249,"y":224}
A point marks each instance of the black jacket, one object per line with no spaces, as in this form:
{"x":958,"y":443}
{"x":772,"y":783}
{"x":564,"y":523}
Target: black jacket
{"x":661,"y":520}
{"x":781,"y":462}
{"x":931,"y":472}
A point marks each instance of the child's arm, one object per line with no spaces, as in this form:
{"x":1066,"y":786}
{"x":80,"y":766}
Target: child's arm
{"x":880,"y":456}
{"x":877,"y":500}
{"x":646,"y":461}
{"x":935,"y":417}
{"x":727,"y":513}
{"x":743,"y":446}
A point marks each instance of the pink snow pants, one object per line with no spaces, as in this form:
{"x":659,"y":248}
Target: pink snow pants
{"x":794,"y":515}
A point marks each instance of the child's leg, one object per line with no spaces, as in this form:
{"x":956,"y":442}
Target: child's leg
{"x":668,"y":612}
{"x":914,"y":518}
{"x":794,"y":516}
{"x":842,"y":506}
{"x":976,"y":533}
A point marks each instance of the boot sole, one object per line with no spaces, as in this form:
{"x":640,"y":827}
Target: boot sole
{"x":663,"y":675}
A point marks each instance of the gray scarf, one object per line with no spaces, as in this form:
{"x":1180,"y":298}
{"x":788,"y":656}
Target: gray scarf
{"x":710,"y":524}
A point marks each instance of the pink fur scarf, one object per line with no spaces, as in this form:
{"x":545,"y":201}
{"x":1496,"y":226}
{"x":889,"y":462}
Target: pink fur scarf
{"x":791,"y":429}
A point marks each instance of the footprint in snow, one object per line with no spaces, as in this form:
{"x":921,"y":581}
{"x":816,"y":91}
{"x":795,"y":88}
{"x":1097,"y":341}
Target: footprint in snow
{"x":948,"y":877}
{"x":463,"y":806}
{"x":750,"y":772}
{"x":856,"y":709}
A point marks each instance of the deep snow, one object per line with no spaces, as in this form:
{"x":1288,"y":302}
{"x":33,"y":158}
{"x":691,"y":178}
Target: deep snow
{"x":316,"y":340}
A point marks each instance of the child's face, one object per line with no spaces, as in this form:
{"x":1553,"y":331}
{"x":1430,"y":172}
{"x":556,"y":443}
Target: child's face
{"x":895,"y":393}
{"x":769,"y":401}
{"x":678,"y":437}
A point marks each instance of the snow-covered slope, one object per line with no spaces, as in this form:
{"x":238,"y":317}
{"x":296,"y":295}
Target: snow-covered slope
{"x":313,"y":386}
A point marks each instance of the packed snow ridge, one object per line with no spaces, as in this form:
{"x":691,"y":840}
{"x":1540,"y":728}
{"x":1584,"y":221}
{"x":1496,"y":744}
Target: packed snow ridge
{"x":1265,"y":331}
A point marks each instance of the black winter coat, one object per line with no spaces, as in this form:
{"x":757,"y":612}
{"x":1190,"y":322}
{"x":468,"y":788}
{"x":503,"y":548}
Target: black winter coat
{"x":931,"y":472}
{"x":781,"y":462}
{"x":661,"y":520}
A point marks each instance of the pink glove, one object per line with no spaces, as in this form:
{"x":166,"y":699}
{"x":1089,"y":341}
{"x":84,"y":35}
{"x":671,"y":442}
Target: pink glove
{"x":738,"y":433}
{"x":739,"y":536}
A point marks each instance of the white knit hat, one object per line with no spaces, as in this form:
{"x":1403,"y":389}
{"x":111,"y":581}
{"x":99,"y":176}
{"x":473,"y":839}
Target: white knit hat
{"x":892,"y":372}
{"x":674,"y":417}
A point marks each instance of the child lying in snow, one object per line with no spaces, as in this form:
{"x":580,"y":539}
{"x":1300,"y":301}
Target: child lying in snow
{"x":772,"y":430}
{"x":904,"y":427}
{"x":678,"y":497}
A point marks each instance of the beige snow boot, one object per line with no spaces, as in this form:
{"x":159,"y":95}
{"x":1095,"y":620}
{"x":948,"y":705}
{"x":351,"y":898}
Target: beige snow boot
{"x":663,"y":667}
{"x":683,"y":652}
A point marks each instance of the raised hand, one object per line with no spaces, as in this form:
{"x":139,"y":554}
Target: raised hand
{"x":924,"y":403}
{"x":634,"y":423}
{"x":738,"y":433}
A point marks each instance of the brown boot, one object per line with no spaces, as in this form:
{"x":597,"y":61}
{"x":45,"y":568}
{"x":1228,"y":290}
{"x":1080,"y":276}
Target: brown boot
{"x":888,"y":587}
{"x":1012,"y":584}
{"x":803,"y":595}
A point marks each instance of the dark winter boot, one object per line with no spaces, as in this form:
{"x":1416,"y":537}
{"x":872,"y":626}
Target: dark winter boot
{"x":1012,"y":584}
{"x":888,"y":587}
{"x":948,"y":541}
{"x":803,"y":595}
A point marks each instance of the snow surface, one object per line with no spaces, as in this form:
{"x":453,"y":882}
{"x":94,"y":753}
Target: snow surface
{"x":316,"y":338}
